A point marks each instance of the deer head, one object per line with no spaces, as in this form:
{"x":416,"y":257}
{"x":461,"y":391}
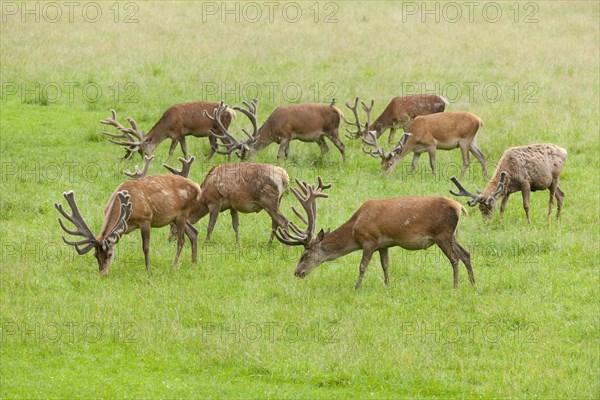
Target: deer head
{"x":293,"y":235}
{"x":104,"y":245}
{"x":388,"y":159}
{"x":487,"y":203}
{"x":132,"y":138}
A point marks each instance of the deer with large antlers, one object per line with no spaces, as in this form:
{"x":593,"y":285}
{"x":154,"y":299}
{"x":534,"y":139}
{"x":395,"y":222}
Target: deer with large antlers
{"x":179,"y":121}
{"x":307,"y":122}
{"x":413,"y":223}
{"x":145,"y":202}
{"x":429,"y":133}
{"x":400,"y":112}
{"x":522,"y":169}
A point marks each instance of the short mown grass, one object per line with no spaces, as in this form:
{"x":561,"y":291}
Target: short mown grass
{"x":238,"y":324}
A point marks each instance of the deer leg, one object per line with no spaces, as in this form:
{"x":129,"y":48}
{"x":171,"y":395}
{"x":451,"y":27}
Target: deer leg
{"x":322,"y":145}
{"x":277,"y":219}
{"x":415,"y":161}
{"x":284,"y":147}
{"x":366,"y":258}
{"x":503,"y":204}
{"x":183,"y":146}
{"x":213,"y":212}
{"x":526,"y":191}
{"x":145,"y":230}
{"x":432,"y":154}
{"x":235,"y":223}
{"x":552,"y":190}
{"x":180,"y":239}
{"x":173,"y":146}
{"x":385,"y":262}
{"x":446,"y":244}
{"x":172,"y":232}
{"x":392,"y":133}
{"x":560,"y":195}
{"x":466,"y":259}
{"x":213,"y":147}
{"x":466,"y":161}
{"x":192,"y":234}
{"x":480,"y":157}
{"x":338,"y":143}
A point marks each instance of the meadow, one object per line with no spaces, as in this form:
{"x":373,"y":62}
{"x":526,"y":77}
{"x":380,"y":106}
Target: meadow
{"x":238,"y":324}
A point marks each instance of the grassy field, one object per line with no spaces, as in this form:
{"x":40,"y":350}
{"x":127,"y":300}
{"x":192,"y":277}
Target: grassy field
{"x":238,"y":324}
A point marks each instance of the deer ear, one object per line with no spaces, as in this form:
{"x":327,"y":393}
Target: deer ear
{"x":321,"y":235}
{"x":104,"y":246}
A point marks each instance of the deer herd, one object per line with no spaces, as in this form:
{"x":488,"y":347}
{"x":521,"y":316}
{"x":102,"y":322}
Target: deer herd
{"x":411,"y":222}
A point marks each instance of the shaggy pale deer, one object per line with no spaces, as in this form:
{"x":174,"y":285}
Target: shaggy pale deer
{"x":522,"y":169}
{"x":144,"y":202}
{"x":307,"y":122}
{"x":428,"y":133}
{"x":179,"y":121}
{"x":413,"y":223}
{"x":400,"y":112}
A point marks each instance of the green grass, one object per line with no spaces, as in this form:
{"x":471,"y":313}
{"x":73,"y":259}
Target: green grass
{"x":238,"y":324}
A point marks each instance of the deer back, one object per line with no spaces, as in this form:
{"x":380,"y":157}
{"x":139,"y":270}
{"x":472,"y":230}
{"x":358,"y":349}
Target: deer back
{"x":304,"y":121}
{"x":446,"y":127}
{"x":406,"y":219}
{"x":188,"y":119}
{"x":244,"y":184}
{"x":157,"y":199}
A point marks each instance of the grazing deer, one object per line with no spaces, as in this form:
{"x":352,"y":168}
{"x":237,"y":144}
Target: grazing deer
{"x":144,"y":203}
{"x":240,"y":187}
{"x":400,"y":112}
{"x":179,"y":121}
{"x":428,"y":133}
{"x":522,"y":169}
{"x":413,"y":223}
{"x":307,"y":122}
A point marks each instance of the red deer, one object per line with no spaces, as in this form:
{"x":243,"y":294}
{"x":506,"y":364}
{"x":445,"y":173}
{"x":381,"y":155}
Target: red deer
{"x":522,"y":169}
{"x":413,"y":223}
{"x":147,"y":202}
{"x":241,"y":187}
{"x":401,"y":111}
{"x":307,"y":122}
{"x":428,"y":133}
{"x":179,"y":121}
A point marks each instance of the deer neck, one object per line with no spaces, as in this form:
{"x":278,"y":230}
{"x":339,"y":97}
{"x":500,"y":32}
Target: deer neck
{"x":111,"y":216}
{"x":262,"y":138}
{"x":339,"y":242}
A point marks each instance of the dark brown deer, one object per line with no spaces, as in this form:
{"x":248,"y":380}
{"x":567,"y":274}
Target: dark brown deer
{"x":307,"y":122}
{"x":144,"y":203}
{"x":241,"y":188}
{"x":413,"y":223}
{"x":428,"y":133}
{"x":522,"y":169}
{"x":400,"y":112}
{"x":179,"y":121}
